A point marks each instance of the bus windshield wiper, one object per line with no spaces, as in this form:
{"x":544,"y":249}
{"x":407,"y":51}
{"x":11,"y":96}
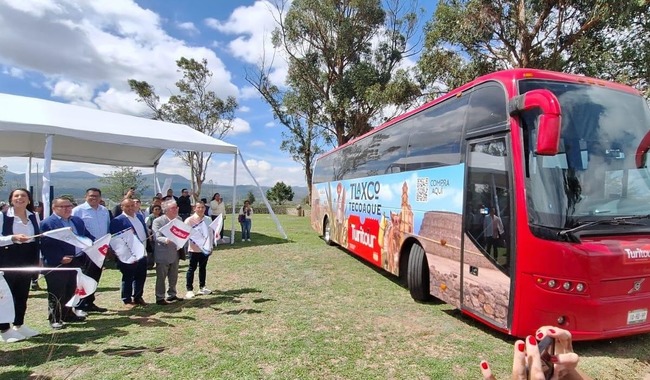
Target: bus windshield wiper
{"x":569,"y":234}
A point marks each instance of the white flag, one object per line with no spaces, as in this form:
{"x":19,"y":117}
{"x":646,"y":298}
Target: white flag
{"x":97,"y":252}
{"x":85,"y":287}
{"x":128,"y":248}
{"x":216,"y":225}
{"x":65,"y":234}
{"x":200,"y":235}
{"x":176,"y":231}
{"x":7,"y":312}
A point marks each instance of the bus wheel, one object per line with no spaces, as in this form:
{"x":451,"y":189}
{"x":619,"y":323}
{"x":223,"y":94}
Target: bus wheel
{"x":327,"y":232}
{"x":418,"y":274}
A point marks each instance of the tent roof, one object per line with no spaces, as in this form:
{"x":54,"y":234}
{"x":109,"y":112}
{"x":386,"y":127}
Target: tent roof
{"x":88,"y":135}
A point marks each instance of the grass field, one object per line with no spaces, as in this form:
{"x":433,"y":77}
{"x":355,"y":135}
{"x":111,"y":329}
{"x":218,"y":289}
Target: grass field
{"x":294,"y":309}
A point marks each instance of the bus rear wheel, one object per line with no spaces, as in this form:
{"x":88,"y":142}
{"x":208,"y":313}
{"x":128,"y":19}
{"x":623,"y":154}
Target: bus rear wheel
{"x":327,"y":232}
{"x":417,"y":277}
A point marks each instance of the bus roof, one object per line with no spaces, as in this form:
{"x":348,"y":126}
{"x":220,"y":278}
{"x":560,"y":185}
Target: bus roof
{"x":503,"y":76}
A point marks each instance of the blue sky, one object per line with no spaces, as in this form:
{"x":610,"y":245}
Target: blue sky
{"x":83,"y":52}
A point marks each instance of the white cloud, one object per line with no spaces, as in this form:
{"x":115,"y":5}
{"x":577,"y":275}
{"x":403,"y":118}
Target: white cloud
{"x":14,"y":72}
{"x":257,"y":143}
{"x":239,"y":126}
{"x":244,"y":109}
{"x":270,"y":124}
{"x":188,"y":27}
{"x":71,"y":91}
{"x":249,"y":92}
{"x":98,"y":45}
{"x":253,"y":26}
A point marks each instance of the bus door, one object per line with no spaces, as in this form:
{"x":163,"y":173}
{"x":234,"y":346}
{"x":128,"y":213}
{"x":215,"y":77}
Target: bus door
{"x":487,"y":221}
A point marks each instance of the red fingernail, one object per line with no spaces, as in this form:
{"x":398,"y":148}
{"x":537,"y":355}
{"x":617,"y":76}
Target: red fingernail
{"x":484,"y":365}
{"x":551,"y":331}
{"x":532,"y":341}
{"x":521,"y":347}
{"x":540,"y":336}
{"x":553,"y":359}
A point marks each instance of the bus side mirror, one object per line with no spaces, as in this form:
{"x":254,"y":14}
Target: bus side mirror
{"x":549,"y":123}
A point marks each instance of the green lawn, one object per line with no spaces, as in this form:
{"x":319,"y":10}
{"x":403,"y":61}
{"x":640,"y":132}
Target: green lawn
{"x":294,"y":309}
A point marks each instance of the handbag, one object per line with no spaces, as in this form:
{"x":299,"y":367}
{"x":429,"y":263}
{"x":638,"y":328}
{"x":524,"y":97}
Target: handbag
{"x":241,"y":218}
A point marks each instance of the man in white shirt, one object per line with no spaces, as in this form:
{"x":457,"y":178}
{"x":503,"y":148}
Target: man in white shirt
{"x":97,"y":219}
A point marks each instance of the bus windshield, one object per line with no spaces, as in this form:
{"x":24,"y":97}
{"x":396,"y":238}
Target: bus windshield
{"x":601,"y":171}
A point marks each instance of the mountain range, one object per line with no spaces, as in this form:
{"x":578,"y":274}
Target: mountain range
{"x":75,"y":183}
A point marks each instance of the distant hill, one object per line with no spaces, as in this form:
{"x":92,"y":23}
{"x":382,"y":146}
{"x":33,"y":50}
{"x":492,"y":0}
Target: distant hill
{"x":75,"y":183}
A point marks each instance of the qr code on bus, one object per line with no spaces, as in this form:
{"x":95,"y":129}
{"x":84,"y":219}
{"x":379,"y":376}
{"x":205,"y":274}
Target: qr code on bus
{"x":422,"y":191}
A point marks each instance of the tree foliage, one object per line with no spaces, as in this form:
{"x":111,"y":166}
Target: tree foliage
{"x":194,"y":105}
{"x":344,"y":60}
{"x":279,"y":193}
{"x":297,"y":110}
{"x":467,"y":38}
{"x":120,"y":180}
{"x":250,"y":197}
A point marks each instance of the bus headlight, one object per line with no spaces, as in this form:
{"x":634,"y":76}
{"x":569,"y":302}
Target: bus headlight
{"x":551,"y":283}
{"x":566,"y":285}
{"x":580,"y":287}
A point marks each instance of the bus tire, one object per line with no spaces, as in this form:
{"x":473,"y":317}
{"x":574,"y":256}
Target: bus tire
{"x":418,"y":274}
{"x":327,"y":232}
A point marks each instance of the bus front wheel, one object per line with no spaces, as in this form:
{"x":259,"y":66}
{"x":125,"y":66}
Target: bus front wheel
{"x":417,"y":278}
{"x":327,"y":232}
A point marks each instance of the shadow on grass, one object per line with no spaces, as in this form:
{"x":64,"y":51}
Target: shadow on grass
{"x":22,"y":374}
{"x":214,"y":301}
{"x":50,"y":349}
{"x":130,"y":351}
{"x":257,"y":240}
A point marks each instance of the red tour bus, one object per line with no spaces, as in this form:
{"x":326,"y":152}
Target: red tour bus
{"x":521,"y":198}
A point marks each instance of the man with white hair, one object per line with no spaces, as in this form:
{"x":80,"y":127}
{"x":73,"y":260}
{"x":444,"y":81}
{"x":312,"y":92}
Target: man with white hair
{"x":166,"y":255}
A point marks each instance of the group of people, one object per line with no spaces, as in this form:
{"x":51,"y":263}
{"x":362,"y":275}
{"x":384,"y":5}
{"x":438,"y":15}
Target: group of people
{"x":21,"y":245}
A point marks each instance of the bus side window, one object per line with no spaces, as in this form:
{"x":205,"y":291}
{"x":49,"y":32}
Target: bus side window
{"x":435,"y":135}
{"x":487,"y":106}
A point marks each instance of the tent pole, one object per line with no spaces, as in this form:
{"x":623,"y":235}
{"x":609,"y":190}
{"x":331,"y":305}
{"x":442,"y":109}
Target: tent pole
{"x":28,"y":173}
{"x":156,"y":184}
{"x":266,"y":202}
{"x":234,"y":199}
{"x":47,"y":166}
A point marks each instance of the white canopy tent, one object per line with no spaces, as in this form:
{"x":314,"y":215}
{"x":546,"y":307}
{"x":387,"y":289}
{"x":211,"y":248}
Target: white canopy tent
{"x":45,"y":129}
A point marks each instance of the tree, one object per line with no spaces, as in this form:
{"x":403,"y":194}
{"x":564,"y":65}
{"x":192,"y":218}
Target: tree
{"x":250,"y":197}
{"x":467,"y":38}
{"x":119,"y":181}
{"x":344,"y":58}
{"x":280,"y":193}
{"x":297,"y":111}
{"x":195,"y":106}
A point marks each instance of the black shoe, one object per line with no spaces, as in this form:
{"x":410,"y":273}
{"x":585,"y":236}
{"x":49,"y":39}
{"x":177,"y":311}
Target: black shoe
{"x":174,"y":298}
{"x":74,"y":318}
{"x":140,"y":301}
{"x":93,"y":307}
{"x":162,"y":302}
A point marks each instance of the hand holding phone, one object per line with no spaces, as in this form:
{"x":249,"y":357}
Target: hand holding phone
{"x":546,"y":350}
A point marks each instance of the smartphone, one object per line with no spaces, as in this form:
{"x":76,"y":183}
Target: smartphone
{"x":546,"y":350}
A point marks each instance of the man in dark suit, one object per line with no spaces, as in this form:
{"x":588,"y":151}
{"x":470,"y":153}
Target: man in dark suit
{"x":135,"y":274}
{"x":61,"y":285}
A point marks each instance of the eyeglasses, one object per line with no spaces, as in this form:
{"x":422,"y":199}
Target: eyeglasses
{"x":66,"y":206}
